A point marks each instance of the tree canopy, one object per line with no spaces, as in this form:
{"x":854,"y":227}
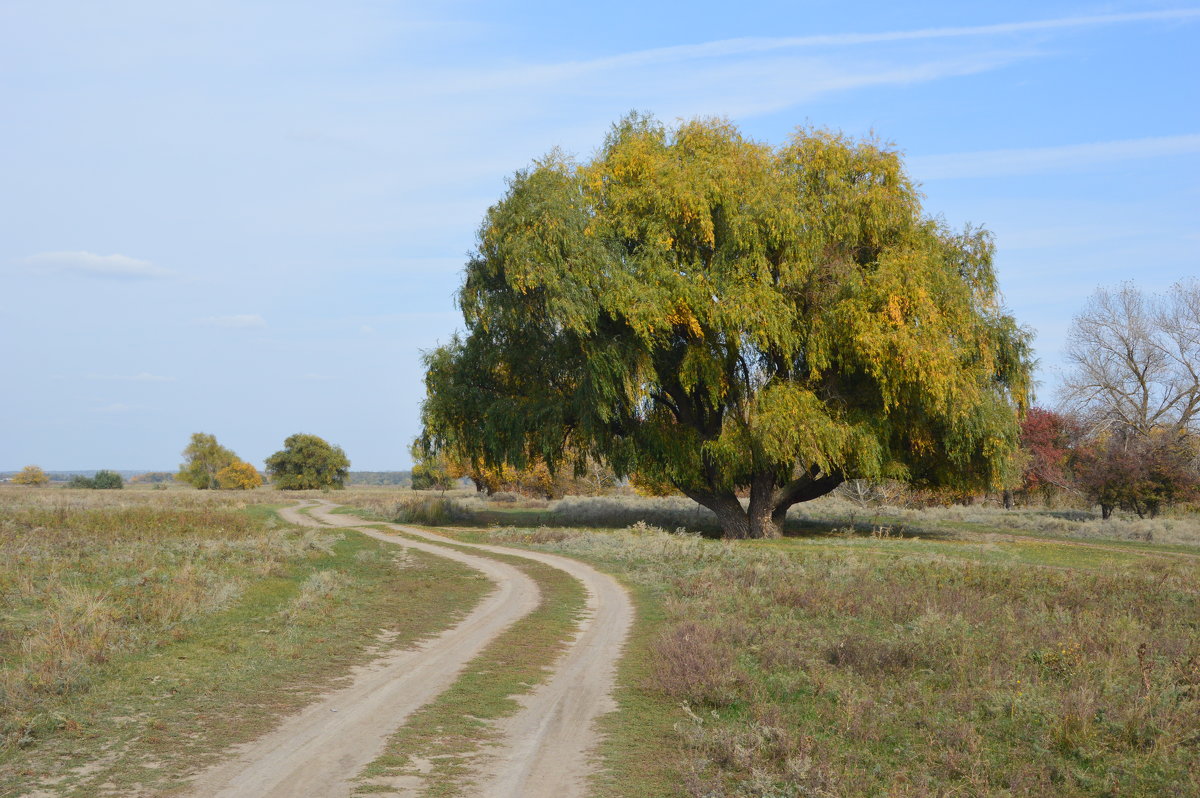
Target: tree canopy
{"x":203,"y":459}
{"x":307,"y":462}
{"x":722,"y":316}
{"x":31,"y":475}
{"x":239,"y":476}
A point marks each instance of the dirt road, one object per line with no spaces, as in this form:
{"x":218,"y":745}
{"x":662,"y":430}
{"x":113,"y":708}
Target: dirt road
{"x":546,"y":745}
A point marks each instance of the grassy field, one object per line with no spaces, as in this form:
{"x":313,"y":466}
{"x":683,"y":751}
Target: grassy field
{"x":888,"y":651}
{"x":143,"y":631}
{"x":874,"y":652}
{"x":852,"y":665}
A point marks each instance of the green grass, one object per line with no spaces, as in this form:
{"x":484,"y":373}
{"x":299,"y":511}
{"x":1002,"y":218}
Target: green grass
{"x":188,"y":624}
{"x":445,"y":735}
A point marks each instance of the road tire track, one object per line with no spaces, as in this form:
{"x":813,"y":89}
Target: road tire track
{"x":548,"y":746}
{"x":316,"y":752}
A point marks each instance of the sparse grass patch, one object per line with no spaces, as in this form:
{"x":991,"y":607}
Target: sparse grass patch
{"x":138,"y":638}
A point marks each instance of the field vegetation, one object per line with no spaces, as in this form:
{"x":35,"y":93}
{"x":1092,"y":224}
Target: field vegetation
{"x":142,"y":631}
{"x":843,"y":511}
{"x":882,"y":650}
{"x":860,"y":665}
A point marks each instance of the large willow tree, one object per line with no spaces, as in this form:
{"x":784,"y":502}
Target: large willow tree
{"x":724,"y":317}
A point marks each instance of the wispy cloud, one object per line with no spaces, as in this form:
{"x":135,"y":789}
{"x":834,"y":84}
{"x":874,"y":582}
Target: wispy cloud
{"x":1037,"y":160}
{"x":757,"y":45}
{"x":116,"y":408}
{"x":142,"y":377}
{"x":245,"y":321}
{"x":92,"y":265}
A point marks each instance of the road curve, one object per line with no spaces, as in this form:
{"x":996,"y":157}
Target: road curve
{"x":546,"y":746}
{"x":316,"y":752}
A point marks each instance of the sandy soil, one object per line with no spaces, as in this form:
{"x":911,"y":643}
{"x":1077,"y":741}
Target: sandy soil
{"x":546,"y":746}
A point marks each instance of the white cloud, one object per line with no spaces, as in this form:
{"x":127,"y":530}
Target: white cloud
{"x":93,"y":265}
{"x":141,"y":377}
{"x":245,"y":321}
{"x":1038,"y":160}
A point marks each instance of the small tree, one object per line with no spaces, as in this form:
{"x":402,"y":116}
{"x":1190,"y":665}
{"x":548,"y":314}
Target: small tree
{"x":432,"y":471}
{"x":31,"y":475}
{"x":1140,"y":475}
{"x":203,"y":458}
{"x":1048,"y":441}
{"x":307,"y":462}
{"x":1136,"y":379}
{"x":239,"y":476}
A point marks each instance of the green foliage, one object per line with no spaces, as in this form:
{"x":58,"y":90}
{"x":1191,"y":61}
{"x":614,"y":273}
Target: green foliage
{"x":307,"y":462}
{"x":203,"y":458}
{"x":31,"y":475}
{"x":431,"y":470}
{"x":108,"y":480}
{"x":103,"y":480}
{"x":714,"y":314}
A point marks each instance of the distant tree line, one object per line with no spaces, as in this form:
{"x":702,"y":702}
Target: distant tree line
{"x":399,"y":478}
{"x":306,"y":462}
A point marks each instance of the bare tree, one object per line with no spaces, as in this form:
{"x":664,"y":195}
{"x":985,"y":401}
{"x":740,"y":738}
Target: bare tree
{"x":1136,"y":378}
{"x":1136,"y":360}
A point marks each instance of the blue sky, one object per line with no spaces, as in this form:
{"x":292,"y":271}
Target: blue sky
{"x":249,"y":218}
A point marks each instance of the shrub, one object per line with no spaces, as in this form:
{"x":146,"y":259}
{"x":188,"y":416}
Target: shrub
{"x":104,"y":480}
{"x":239,"y":476}
{"x":107,"y":480}
{"x":31,"y":475}
{"x":429,"y":510}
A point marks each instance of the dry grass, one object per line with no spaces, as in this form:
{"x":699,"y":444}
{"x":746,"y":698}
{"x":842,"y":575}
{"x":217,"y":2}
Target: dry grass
{"x":142,"y":631}
{"x":901,"y":669}
{"x":84,"y":578}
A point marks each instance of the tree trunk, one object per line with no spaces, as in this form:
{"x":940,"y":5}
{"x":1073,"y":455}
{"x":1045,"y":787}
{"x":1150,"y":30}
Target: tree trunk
{"x":764,"y":500}
{"x":767,"y":510}
{"x":735,"y":523}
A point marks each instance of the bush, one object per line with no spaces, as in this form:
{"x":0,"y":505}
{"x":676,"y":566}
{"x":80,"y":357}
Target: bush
{"x":31,"y":475}
{"x":108,"y":480}
{"x":239,"y":476}
{"x":104,"y":480}
{"x":430,"y":511}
